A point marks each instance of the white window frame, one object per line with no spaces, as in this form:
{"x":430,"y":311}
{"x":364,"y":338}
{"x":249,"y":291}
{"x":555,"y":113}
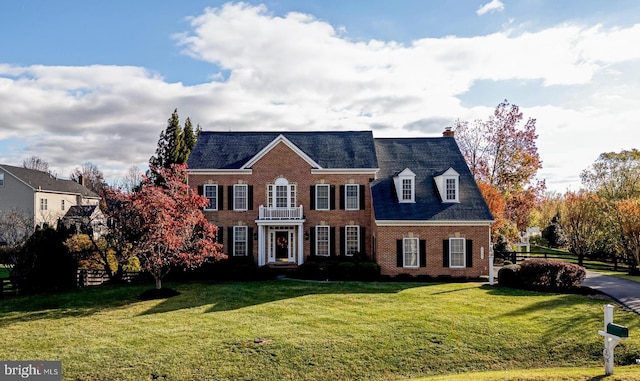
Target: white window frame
{"x":239,"y":198}
{"x":350,"y":201}
{"x":328,"y":198}
{"x":453,"y":250}
{"x":212,"y":205}
{"x":272,"y":194}
{"x":348,"y":244}
{"x":327,"y":229}
{"x":240,"y":245}
{"x":453,"y":181}
{"x":44,"y":204}
{"x":410,"y":189}
{"x":1,"y":179}
{"x":407,"y":245}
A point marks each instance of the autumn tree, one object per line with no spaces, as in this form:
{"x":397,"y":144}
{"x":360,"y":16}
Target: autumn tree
{"x":37,"y":163}
{"x":502,"y":152}
{"x":580,"y":220}
{"x":614,"y":175}
{"x":172,"y":231}
{"x":15,"y":228}
{"x":628,"y":212}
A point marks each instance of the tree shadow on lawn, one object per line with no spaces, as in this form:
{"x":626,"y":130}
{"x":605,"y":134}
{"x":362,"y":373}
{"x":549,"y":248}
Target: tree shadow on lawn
{"x":236,"y":295}
{"x":73,"y":303}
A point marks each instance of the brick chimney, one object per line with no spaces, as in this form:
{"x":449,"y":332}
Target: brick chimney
{"x":81,"y":180}
{"x":448,"y":132}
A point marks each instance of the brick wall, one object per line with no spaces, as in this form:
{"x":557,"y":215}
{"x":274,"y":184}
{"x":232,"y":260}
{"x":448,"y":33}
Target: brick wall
{"x":281,"y":161}
{"x":386,"y":237}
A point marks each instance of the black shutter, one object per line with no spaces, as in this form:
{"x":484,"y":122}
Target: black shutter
{"x":332,"y":196}
{"x":423,"y":253}
{"x":312,"y":197}
{"x":399,"y":253}
{"x":332,"y":241}
{"x":469,"y":253}
{"x":200,"y":190}
{"x":250,"y":197}
{"x":363,"y":241}
{"x":312,"y":243}
{"x":230,"y":244}
{"x":445,"y":253}
{"x":361,"y":196}
{"x":230,"y":205}
{"x":343,"y":233}
{"x":220,"y":197}
{"x":220,"y":235}
{"x":342,"y":196}
{"x":250,"y":242}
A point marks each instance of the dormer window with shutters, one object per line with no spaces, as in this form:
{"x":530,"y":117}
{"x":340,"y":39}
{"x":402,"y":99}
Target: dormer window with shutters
{"x":405,"y":183}
{"x":448,"y":185}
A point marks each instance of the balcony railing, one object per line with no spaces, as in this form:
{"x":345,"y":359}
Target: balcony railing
{"x":267,"y":213}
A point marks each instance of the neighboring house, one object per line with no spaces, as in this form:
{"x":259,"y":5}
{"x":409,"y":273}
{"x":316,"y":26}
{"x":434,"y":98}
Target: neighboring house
{"x":86,"y":218}
{"x":280,"y":198}
{"x":41,"y":195}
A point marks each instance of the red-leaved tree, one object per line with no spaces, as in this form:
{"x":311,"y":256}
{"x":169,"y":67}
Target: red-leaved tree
{"x":169,"y":227}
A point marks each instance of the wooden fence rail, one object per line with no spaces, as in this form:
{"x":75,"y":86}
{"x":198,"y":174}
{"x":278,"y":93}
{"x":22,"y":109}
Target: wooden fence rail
{"x":516,"y":257}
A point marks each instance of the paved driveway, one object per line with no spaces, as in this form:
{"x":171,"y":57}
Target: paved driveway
{"x":625,"y":291}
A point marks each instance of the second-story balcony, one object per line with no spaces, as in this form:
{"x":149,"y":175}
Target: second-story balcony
{"x":271,"y":213}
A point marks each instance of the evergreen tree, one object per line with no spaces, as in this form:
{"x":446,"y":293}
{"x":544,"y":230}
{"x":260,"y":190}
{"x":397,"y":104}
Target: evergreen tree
{"x":174,"y":146}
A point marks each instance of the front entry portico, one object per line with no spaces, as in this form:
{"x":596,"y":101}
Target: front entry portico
{"x":280,"y":243}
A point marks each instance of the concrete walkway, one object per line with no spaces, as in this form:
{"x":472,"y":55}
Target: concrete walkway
{"x":626,"y":292}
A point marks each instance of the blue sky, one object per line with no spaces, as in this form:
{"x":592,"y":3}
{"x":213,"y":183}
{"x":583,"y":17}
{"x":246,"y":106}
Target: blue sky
{"x":96,"y":81}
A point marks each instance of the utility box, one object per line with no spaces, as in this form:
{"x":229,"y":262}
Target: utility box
{"x":617,"y":330}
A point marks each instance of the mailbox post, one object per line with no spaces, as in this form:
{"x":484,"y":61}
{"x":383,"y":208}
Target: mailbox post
{"x":612,"y":333}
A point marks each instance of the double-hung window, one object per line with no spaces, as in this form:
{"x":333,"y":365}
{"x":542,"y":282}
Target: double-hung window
{"x":322,"y":197}
{"x":456,"y":252}
{"x":407,"y":189}
{"x":62,"y":205}
{"x":240,"y":194}
{"x":211,"y":193}
{"x":352,"y":239}
{"x":411,"y":252}
{"x":451,"y":192}
{"x":322,"y":240}
{"x":352,"y":200}
{"x":1,"y":179}
{"x":240,"y":241}
{"x":43,"y":204}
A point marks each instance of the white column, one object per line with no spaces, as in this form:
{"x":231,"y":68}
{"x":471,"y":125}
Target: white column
{"x":300,"y":244}
{"x":261,"y":246}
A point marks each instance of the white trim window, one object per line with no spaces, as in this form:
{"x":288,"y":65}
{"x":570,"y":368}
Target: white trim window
{"x":322,"y":197}
{"x":411,"y":252}
{"x":322,"y":241}
{"x":240,"y":241}
{"x":451,"y":189}
{"x":281,"y":194}
{"x":1,"y":179}
{"x":352,"y":239}
{"x":240,"y":196}
{"x":407,"y":190}
{"x":457,"y":253}
{"x":351,"y":194}
{"x":43,"y":204}
{"x":210,"y":191}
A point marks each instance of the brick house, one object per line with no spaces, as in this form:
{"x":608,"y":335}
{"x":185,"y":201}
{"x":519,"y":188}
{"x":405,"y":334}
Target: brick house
{"x":282,"y":198}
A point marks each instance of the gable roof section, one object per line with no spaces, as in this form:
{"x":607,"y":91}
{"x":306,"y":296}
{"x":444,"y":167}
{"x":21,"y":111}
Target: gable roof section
{"x":427,"y":158}
{"x":43,"y":181}
{"x":328,"y":150}
{"x":82,"y":211}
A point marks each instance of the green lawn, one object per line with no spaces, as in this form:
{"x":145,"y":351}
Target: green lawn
{"x":309,"y":331}
{"x":4,"y":272}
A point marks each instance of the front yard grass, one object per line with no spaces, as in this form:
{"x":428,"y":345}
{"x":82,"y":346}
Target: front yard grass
{"x":297,"y":330}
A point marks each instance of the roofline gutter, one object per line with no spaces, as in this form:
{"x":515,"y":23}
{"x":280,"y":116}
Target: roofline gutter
{"x":434,"y":223}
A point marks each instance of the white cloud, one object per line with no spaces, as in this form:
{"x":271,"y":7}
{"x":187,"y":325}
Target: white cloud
{"x":296,"y":72}
{"x":493,"y":6}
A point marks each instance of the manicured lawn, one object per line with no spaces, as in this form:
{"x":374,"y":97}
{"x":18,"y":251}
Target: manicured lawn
{"x":296,"y":330}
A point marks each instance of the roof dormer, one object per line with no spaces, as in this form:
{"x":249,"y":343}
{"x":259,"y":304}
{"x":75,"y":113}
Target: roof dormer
{"x":448,"y":184}
{"x":405,"y":183}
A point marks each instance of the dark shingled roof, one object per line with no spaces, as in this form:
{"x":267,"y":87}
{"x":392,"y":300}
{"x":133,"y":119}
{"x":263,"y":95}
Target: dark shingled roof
{"x":39,"y":180}
{"x":426,"y":157}
{"x":80,"y":211}
{"x":231,"y":150}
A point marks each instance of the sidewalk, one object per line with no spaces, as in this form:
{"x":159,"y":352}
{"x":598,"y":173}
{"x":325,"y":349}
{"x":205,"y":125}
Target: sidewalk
{"x":626,"y":292}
